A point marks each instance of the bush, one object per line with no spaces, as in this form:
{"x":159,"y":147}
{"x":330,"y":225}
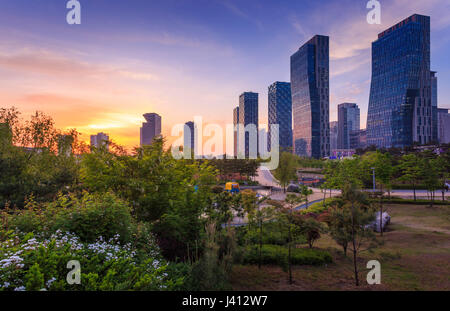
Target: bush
{"x":277,"y":255}
{"x":89,"y":217}
{"x":31,"y":262}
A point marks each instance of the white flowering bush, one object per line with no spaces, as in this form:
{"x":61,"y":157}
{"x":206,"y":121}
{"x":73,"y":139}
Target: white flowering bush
{"x":33,"y":262}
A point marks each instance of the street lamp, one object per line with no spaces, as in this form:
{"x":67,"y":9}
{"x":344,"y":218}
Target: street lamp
{"x":373,"y":169}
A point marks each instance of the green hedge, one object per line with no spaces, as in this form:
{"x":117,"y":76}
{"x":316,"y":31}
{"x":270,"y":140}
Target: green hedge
{"x":277,"y":255}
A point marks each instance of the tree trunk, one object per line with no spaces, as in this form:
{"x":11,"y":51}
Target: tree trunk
{"x":260,"y":245}
{"x":289,"y":256}
{"x":414,"y":188}
{"x":355,"y":266}
{"x":345,"y":249}
{"x":443,"y":195}
{"x":381,"y":212}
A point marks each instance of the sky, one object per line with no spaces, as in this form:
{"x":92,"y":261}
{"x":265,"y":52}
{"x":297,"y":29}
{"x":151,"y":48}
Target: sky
{"x":186,"y":58}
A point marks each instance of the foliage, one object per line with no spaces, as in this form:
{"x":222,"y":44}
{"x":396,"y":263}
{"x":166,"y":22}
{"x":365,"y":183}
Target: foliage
{"x":32,"y":262}
{"x":286,"y":170}
{"x":88,"y":217}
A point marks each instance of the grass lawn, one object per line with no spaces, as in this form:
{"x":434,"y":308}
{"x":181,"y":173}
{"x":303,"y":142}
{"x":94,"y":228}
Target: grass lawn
{"x":414,"y":255}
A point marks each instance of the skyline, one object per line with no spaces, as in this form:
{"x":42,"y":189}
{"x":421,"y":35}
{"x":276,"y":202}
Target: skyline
{"x":181,"y":59}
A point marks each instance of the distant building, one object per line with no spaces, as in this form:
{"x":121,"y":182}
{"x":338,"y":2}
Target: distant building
{"x":434,"y":106}
{"x":248,"y":114}
{"x":311,"y":98}
{"x":400,"y":108}
{"x":101,"y":139}
{"x":280,"y":112}
{"x":363,"y":139}
{"x":150,"y":129}
{"x":443,"y":126}
{"x":235,"y":124}
{"x":189,"y":137}
{"x":349,"y":126}
{"x":333,"y":135}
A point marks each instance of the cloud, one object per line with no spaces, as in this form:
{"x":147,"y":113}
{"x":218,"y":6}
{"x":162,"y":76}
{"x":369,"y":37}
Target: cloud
{"x":53,"y":64}
{"x":240,"y":13}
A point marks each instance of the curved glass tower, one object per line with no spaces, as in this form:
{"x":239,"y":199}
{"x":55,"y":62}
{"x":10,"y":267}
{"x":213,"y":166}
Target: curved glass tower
{"x":400,"y":111}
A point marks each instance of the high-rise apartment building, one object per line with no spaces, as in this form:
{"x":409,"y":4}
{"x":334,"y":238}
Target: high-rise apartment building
{"x":248,"y":114}
{"x":333,"y":136}
{"x":280,"y":112}
{"x":443,"y":126}
{"x":150,"y":129}
{"x":400,"y":105}
{"x":434,"y":106}
{"x":189,"y":137}
{"x":235,"y":124}
{"x":310,"y":98}
{"x":349,"y":126}
{"x":100,"y":139}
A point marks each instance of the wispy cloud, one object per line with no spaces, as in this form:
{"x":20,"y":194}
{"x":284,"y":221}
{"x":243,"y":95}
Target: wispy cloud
{"x":237,"y":11}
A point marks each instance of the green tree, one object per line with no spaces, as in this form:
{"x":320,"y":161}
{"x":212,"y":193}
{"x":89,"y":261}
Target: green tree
{"x":410,"y":168}
{"x":286,"y":170}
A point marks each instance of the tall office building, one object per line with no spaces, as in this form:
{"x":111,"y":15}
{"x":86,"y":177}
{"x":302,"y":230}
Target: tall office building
{"x":400,"y":108}
{"x":434,"y":106}
{"x":280,"y":112}
{"x":349,"y":126}
{"x":189,"y":137}
{"x":443,"y":126}
{"x":101,"y":139}
{"x":333,"y":136}
{"x":248,"y":114}
{"x":310,"y":98}
{"x":235,"y":124}
{"x":150,"y":129}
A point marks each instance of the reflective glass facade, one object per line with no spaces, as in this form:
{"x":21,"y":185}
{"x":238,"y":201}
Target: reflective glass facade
{"x":248,"y":114}
{"x":280,"y":112}
{"x":349,"y":126}
{"x":310,"y":98}
{"x":400,"y":111}
{"x":235,"y":124}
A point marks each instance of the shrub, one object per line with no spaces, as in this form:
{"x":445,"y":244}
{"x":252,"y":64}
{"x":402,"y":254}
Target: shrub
{"x":31,"y":262}
{"x":89,"y":217}
{"x":277,"y":255}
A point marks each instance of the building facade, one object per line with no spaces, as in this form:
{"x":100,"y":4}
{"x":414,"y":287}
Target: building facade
{"x":280,"y":112}
{"x":400,"y":109}
{"x":235,"y":124}
{"x":150,"y":129}
{"x":99,"y":140}
{"x":248,"y":114}
{"x":189,"y":137}
{"x":434,"y":106}
{"x":333,"y":136}
{"x":310,"y":98}
{"x":443,"y":126}
{"x":349,"y":126}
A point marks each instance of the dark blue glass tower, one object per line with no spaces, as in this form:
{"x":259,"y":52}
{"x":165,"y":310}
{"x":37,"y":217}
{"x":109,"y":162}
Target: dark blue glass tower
{"x":311,"y":98}
{"x":280,"y":112}
{"x":400,"y":110}
{"x":248,"y":114}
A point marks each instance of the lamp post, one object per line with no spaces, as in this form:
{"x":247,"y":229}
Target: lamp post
{"x":373,"y":170}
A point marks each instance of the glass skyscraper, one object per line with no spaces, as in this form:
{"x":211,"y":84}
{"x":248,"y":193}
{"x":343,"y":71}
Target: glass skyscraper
{"x":349,"y":126}
{"x":310,"y":98}
{"x":248,"y":114}
{"x":235,"y":124}
{"x":280,"y":112}
{"x":150,"y":129}
{"x":400,"y":109}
